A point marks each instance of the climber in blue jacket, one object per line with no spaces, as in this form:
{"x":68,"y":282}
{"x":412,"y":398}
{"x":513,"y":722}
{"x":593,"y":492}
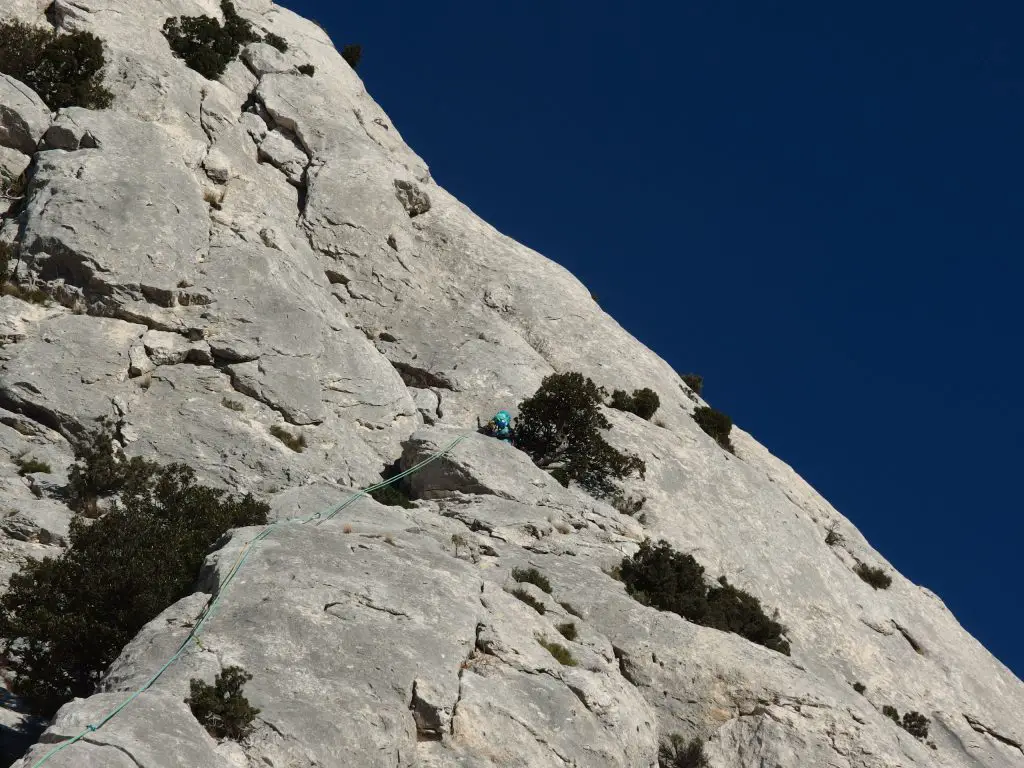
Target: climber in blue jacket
{"x":500,"y":426}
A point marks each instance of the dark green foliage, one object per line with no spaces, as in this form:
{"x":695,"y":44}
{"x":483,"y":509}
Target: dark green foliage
{"x":221,"y":708}
{"x":643,"y":402}
{"x":297,"y":444}
{"x":101,"y":469}
{"x":234,"y":405}
{"x":716,"y":424}
{"x":29,"y":466}
{"x":876,"y":577}
{"x":915,"y":724}
{"x":567,"y":630}
{"x":66,"y":70}
{"x":7,"y":253}
{"x":560,"y":428}
{"x":530,"y":600}
{"x":833,"y":537}
{"x":307,"y":69}
{"x":663,"y":578}
{"x":31,"y":294}
{"x":532,"y":576}
{"x":391,"y":496}
{"x":890,"y":711}
{"x":560,"y":652}
{"x":679,"y":753}
{"x":63,"y":620}
{"x":353,"y":54}
{"x":694,"y":382}
{"x":204,"y":44}
{"x":859,"y":687}
{"x":277,"y":41}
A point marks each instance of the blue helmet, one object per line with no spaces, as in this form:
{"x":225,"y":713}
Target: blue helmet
{"x":502,"y":418}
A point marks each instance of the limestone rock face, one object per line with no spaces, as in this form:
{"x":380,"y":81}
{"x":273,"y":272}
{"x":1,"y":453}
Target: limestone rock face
{"x":264,"y":250}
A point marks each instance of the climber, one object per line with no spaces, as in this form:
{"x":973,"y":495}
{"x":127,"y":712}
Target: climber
{"x":500,"y":426}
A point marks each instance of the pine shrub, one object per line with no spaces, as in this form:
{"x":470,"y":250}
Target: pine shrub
{"x":659,"y":576}
{"x":65,"y":69}
{"x":277,"y":41}
{"x":307,"y":69}
{"x":876,"y":577}
{"x":562,"y":654}
{"x":532,"y":576}
{"x":717,"y":424}
{"x":859,"y":687}
{"x":64,"y":619}
{"x":352,"y":54}
{"x":296,"y":443}
{"x":677,"y":752}
{"x":560,"y":428}
{"x":643,"y":402}
{"x":221,"y":708}
{"x":915,"y":724}
{"x":694,"y":382}
{"x":567,"y":630}
{"x":206,"y":45}
{"x":529,"y":599}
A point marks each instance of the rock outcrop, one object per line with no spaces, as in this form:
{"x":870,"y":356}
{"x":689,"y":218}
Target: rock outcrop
{"x":268,"y":240}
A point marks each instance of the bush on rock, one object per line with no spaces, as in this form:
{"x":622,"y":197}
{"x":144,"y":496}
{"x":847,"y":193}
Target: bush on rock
{"x":659,"y":576}
{"x":64,"y":619}
{"x":643,"y":402}
{"x":221,"y":708}
{"x":206,"y":45}
{"x":560,"y":428}
{"x":717,"y":424}
{"x":65,"y":70}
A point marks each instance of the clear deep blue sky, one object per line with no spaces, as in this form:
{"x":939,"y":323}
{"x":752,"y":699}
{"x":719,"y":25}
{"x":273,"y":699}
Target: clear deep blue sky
{"x":817,"y":206}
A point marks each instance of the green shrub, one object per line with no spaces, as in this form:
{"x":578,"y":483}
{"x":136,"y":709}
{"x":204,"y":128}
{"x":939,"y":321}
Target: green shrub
{"x":694,"y":382}
{"x":102,"y":469}
{"x":391,"y":496}
{"x":297,"y":444}
{"x":915,"y":724}
{"x":859,"y":687}
{"x":890,"y":711}
{"x":876,"y":577}
{"x":716,"y":424}
{"x":659,"y":576}
{"x":567,"y":630}
{"x":29,"y":466}
{"x":532,"y":576}
{"x":834,"y":537}
{"x":27,"y":293}
{"x":8,"y":253}
{"x":352,"y":54}
{"x":679,"y":753}
{"x":63,"y":620}
{"x":560,"y":652}
{"x":66,"y":70}
{"x":221,"y":708}
{"x":277,"y":41}
{"x":643,"y":402}
{"x":204,"y":44}
{"x":307,"y":69}
{"x":234,"y":405}
{"x":529,"y":599}
{"x":560,"y":426}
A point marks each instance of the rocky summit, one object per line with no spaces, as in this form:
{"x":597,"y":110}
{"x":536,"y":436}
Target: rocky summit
{"x":252,"y":274}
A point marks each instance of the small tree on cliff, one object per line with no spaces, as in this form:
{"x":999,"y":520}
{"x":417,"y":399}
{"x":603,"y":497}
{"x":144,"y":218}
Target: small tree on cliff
{"x":560,"y":428}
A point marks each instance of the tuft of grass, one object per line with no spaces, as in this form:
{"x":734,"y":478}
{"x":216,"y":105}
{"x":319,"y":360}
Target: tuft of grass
{"x":297,"y":444}
{"x":26,"y":293}
{"x":29,"y":466}
{"x":560,"y":652}
{"x":567,"y":630}
{"x":571,"y":610}
{"x":679,"y":753}
{"x":529,"y":599}
{"x":876,"y":577}
{"x":234,"y":405}
{"x":532,"y":576}
{"x":346,"y":528}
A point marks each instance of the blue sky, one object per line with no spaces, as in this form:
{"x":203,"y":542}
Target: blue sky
{"x":817,"y":206}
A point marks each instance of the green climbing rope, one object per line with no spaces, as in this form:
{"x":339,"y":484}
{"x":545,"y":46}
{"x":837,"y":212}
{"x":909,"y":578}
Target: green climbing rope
{"x":243,"y":556}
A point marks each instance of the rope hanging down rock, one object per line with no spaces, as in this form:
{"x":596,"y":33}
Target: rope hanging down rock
{"x":243,"y":556}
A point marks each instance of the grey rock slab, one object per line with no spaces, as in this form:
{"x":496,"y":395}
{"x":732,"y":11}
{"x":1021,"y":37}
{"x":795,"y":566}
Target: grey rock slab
{"x":13,"y":163}
{"x":24,"y":117}
{"x":283,"y":154}
{"x":263,"y":59}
